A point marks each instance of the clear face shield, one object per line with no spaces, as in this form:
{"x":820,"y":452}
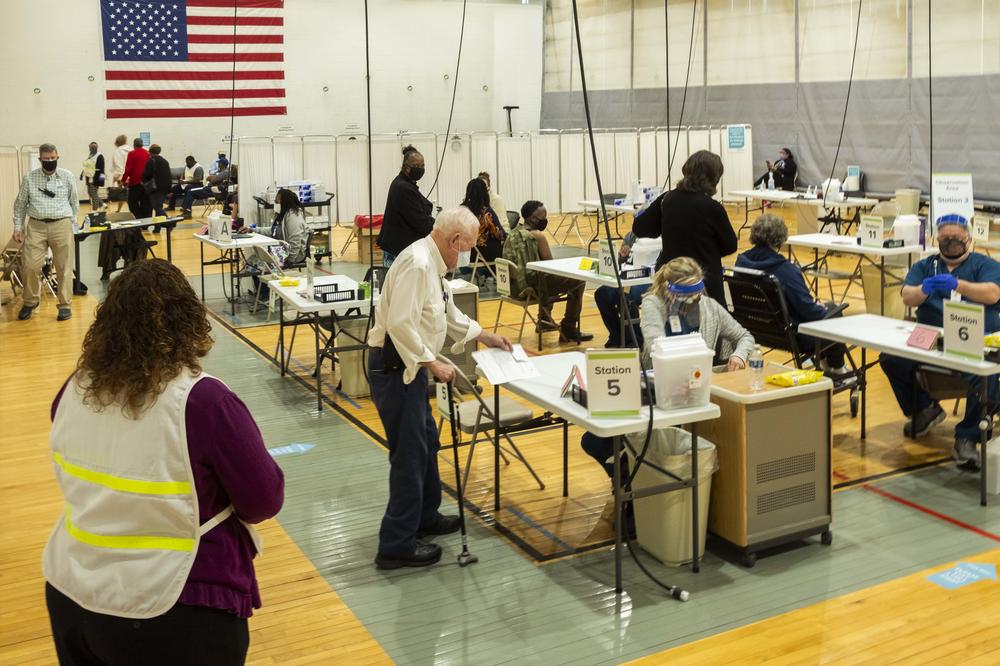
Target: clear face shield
{"x":683,"y":313}
{"x":953,"y":246}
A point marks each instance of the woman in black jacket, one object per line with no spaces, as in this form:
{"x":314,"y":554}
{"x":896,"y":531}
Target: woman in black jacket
{"x":489,"y":243}
{"x":693,"y":224}
{"x":407,"y":212}
{"x":157,"y":175}
{"x":784,"y":171}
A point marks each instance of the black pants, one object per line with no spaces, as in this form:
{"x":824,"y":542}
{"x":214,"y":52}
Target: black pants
{"x":138,"y":202}
{"x":186,"y":635}
{"x":412,"y":436}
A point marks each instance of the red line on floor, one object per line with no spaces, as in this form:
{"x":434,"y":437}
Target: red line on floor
{"x":930,"y":512}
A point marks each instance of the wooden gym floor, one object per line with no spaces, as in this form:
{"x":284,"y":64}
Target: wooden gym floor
{"x":900,"y":513}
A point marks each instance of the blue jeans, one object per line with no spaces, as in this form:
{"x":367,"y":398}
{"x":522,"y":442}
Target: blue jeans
{"x":387,"y":259}
{"x":912,"y":398}
{"x":609,"y":305}
{"x":412,"y":434}
{"x":195,"y":193}
{"x":602,"y":449}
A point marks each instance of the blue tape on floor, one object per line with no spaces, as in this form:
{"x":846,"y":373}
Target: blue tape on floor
{"x":962,"y":574}
{"x":290,"y":448}
{"x":541,"y":529}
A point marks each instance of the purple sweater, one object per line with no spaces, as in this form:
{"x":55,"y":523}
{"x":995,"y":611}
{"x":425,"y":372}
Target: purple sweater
{"x":231,"y":466}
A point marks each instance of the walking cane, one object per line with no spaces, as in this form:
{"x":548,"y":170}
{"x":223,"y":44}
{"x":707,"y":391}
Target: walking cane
{"x":465,"y":558}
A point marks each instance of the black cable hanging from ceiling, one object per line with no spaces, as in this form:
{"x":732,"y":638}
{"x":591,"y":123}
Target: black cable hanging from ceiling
{"x":671,"y":156}
{"x":454,"y":92}
{"x":847,"y":103}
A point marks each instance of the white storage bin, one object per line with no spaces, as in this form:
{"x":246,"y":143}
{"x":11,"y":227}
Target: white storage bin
{"x":645,"y":251}
{"x":682,"y":371}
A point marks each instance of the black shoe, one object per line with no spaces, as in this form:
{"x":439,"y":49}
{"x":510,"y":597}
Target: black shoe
{"x":567,"y":335}
{"x":925,"y":419}
{"x":424,"y":555}
{"x":64,"y":314}
{"x":442,"y":525}
{"x":26,"y":311}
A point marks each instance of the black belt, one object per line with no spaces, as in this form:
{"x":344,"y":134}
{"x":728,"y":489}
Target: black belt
{"x":49,"y":220}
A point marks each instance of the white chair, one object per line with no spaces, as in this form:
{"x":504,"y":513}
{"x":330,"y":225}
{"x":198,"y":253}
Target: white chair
{"x":505,"y":272}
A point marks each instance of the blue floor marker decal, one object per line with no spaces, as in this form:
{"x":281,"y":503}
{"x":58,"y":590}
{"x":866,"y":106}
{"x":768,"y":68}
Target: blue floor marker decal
{"x":962,"y":574}
{"x":290,"y":448}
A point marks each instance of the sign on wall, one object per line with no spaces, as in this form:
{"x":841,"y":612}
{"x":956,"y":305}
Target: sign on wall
{"x":737,"y":137}
{"x":951,"y":194}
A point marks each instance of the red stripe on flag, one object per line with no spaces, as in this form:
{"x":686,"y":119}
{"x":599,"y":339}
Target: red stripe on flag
{"x":243,"y":93}
{"x":239,"y":39}
{"x":198,"y":113}
{"x":241,"y":4}
{"x":120,"y":75}
{"x":241,"y":20}
{"x":239,"y":57}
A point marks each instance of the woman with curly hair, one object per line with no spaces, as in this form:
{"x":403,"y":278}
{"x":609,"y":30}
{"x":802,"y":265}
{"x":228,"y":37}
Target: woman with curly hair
{"x":693,"y":224}
{"x":162,"y":468}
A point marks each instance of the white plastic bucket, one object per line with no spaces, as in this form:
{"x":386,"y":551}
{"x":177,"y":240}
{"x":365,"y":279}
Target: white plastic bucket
{"x":682,"y":371}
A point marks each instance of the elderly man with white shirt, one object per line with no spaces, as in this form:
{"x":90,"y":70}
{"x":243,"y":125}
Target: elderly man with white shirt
{"x":413,"y":317}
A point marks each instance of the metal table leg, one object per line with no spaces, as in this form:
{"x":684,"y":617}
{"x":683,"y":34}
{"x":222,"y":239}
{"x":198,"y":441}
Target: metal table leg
{"x":617,"y":480}
{"x":983,"y":430}
{"x":565,"y":458}
{"x":201,"y":262}
{"x":281,"y":336}
{"x":319,"y":361}
{"x":695,"y":566}
{"x":864,"y":392}
{"x":496,"y":448}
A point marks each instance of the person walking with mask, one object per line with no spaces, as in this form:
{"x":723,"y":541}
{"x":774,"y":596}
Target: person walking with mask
{"x":48,"y":198}
{"x":407,"y":215}
{"x":414,"y":315}
{"x":955,"y":271}
{"x":93,"y":176}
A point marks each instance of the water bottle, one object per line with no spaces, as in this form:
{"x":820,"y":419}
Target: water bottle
{"x":86,"y":223}
{"x":756,"y":364}
{"x":770,"y":181}
{"x":376,"y":287}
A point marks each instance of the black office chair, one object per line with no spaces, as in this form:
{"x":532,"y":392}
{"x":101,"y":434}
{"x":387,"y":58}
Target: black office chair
{"x":755,"y":300}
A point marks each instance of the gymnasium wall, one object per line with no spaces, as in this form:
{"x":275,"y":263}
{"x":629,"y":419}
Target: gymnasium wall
{"x":55,"y":47}
{"x":783,"y":66}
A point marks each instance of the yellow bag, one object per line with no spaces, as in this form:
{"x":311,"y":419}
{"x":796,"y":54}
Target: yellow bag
{"x":992,"y":340}
{"x":795,"y":378}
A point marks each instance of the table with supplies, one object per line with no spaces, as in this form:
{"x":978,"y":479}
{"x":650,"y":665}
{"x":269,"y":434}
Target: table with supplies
{"x":808,"y":208}
{"x":309,"y":310}
{"x":825,"y":245}
{"x":888,"y":336}
{"x":546,"y":390}
{"x":80,"y":235}
{"x":773,"y":485}
{"x":316,"y":226}
{"x":617,"y":210}
{"x":230,"y":254}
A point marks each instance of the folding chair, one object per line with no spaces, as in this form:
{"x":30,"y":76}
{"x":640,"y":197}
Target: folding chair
{"x":755,"y":300}
{"x":507,"y":274}
{"x":10,"y":266}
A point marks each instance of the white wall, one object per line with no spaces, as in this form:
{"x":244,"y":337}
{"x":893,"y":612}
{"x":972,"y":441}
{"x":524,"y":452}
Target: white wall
{"x":413,"y":42}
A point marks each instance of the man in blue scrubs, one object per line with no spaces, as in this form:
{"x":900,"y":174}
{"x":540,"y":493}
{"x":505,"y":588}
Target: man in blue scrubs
{"x":976,"y":278}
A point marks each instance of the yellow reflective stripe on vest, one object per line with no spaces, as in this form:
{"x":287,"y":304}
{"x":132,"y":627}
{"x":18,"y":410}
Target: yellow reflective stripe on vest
{"x":136,"y":542}
{"x":121,"y":483}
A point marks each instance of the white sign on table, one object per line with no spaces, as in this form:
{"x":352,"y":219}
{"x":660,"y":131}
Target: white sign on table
{"x":503,"y":278}
{"x":980,"y":228}
{"x":872,"y":231}
{"x":951,"y":193}
{"x":606,"y":258}
{"x":963,"y":329}
{"x":613,"y":383}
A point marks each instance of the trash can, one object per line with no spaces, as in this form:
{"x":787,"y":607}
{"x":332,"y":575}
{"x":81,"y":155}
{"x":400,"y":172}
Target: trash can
{"x":353,"y":381}
{"x":891,"y":296}
{"x":663,"y":522}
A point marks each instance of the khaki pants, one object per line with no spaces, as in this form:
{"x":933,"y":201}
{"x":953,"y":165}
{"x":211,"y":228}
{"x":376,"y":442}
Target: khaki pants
{"x":39,"y":236}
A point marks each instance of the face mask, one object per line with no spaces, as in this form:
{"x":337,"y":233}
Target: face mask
{"x":541,"y":224}
{"x":93,"y":150}
{"x":464,"y":259}
{"x":683,"y":311}
{"x":277,"y":208}
{"x":50,"y":165}
{"x":416,"y":173}
{"x":952,"y":248}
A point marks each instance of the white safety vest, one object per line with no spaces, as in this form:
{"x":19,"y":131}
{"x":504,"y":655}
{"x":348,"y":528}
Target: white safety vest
{"x":129,"y":535}
{"x":90,"y":166}
{"x":189,"y":173}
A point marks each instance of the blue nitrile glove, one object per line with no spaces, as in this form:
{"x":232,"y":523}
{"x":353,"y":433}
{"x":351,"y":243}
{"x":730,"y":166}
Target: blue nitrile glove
{"x":939,"y":284}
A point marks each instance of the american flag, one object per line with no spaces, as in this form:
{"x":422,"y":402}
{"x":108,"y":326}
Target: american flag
{"x":175,"y":59}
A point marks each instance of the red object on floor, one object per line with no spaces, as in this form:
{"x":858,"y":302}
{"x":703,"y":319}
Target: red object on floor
{"x":364,"y":222}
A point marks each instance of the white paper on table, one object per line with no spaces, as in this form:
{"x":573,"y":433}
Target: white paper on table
{"x":501,"y":367}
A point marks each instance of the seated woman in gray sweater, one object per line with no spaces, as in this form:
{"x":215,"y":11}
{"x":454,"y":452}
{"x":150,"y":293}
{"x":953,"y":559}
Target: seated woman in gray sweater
{"x":289,"y":225}
{"x":676,"y":305}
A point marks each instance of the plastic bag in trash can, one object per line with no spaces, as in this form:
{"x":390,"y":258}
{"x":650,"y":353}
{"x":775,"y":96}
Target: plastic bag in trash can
{"x":670,"y":448}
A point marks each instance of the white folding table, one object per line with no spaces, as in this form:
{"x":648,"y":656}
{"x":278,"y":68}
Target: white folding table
{"x":888,"y":336}
{"x":309,"y":311}
{"x":230,"y":252}
{"x":544,"y":391}
{"x":783,"y":197}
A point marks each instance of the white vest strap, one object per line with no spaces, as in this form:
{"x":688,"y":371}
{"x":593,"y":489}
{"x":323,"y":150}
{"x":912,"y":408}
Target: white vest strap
{"x":215,"y":520}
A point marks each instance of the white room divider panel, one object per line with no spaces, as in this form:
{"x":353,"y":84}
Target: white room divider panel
{"x":514,"y":168}
{"x":256,"y":172}
{"x":287,"y":156}
{"x":677,"y":148}
{"x":545,"y":174}
{"x":572,"y":188}
{"x":604,"y":144}
{"x":626,"y":159}
{"x":484,"y":157}
{"x":647,"y":158}
{"x":737,"y":160}
{"x":319,"y":162}
{"x":10,"y":182}
{"x":29,"y":158}
{"x":352,"y":178}
{"x":456,"y":169}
